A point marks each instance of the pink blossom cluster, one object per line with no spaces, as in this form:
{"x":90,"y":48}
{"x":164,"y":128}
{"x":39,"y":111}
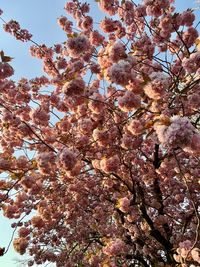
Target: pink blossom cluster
{"x":96,"y":103}
{"x":40,"y":116}
{"x":20,"y":245}
{"x":194,"y":101}
{"x":129,"y":101}
{"x":96,"y":38}
{"x":24,"y":232}
{"x":109,"y":7}
{"x":86,"y":23}
{"x":124,"y":204}
{"x":68,"y":159}
{"x":115,"y":247}
{"x":45,"y":160}
{"x":186,"y":249}
{"x":42,"y":52}
{"x":108,"y":25}
{"x":120,"y":73}
{"x":13,"y":28}
{"x":127,"y":13}
{"x":117,"y":51}
{"x":179,"y":133}
{"x":135,"y":127}
{"x":110,"y":164}
{"x":190,"y":36}
{"x":10,"y":211}
{"x":109,"y":136}
{"x":191,"y":64}
{"x":73,"y":7}
{"x":65,"y":24}
{"x":5,"y":164}
{"x":5,"y":70}
{"x":77,"y":46}
{"x":101,"y":136}
{"x":187,"y":18}
{"x":144,"y":46}
{"x":157,"y":86}
{"x":86,"y":125}
{"x":156,"y":7}
{"x":37,"y":221}
{"x":74,"y":87}
{"x":128,"y":142}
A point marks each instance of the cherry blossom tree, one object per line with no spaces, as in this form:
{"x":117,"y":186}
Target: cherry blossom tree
{"x":100,"y":157}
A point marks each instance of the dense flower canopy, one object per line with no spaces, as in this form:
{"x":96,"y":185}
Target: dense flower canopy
{"x":100,"y":157}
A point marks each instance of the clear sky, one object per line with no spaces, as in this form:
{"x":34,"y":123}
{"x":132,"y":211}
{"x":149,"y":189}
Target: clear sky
{"x":39,"y":17}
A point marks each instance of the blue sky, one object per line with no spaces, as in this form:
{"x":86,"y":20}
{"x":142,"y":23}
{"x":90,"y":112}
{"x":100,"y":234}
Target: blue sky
{"x":39,"y":17}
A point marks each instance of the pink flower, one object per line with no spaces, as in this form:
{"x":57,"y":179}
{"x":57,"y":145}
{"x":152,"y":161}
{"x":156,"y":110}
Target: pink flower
{"x":13,"y":28}
{"x":144,"y":46}
{"x":96,"y":103}
{"x":5,"y":70}
{"x":68,"y":159}
{"x":156,"y":8}
{"x":85,"y":8}
{"x":86,"y":125}
{"x":120,"y":73}
{"x":128,"y":142}
{"x":95,"y":68}
{"x":9,"y":211}
{"x":74,"y":87}
{"x":20,"y":245}
{"x":65,"y":24}
{"x":194,"y":101}
{"x":190,"y":36}
{"x":64,"y":124}
{"x":115,"y":247}
{"x":116,"y":51}
{"x":194,"y":145}
{"x":101,"y":137}
{"x":45,"y":161}
{"x":87,"y":23}
{"x":37,"y":221}
{"x":5,"y":164}
{"x":179,"y":132}
{"x":27,"y":182}
{"x":157,"y":86}
{"x":61,"y":64}
{"x":192,"y":64}
{"x":110,"y":164}
{"x":108,"y":25}
{"x":70,"y":7}
{"x":96,"y":38}
{"x":184,"y":248}
{"x":77,"y":46}
{"x":127,"y":12}
{"x":196,"y":254}
{"x":40,"y":116}
{"x":187,"y":18}
{"x":124,"y":204}
{"x":23,"y":232}
{"x":135,"y":127}
{"x":129,"y":101}
{"x":109,"y":7}
{"x":22,"y":162}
